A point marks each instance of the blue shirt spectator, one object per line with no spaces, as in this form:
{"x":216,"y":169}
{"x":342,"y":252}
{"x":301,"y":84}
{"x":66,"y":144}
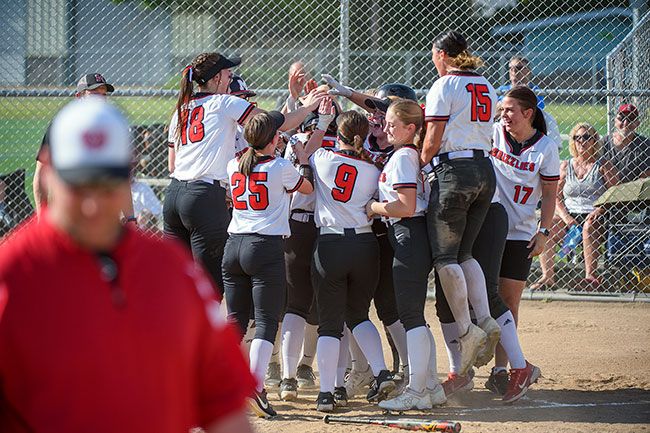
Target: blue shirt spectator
{"x":519,"y":73}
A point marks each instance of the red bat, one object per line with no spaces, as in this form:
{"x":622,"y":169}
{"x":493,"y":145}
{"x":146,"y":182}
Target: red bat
{"x":405,"y":424}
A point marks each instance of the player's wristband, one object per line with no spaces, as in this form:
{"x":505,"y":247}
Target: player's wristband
{"x":306,"y":171}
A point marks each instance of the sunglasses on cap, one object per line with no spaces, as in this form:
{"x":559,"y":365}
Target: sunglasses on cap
{"x":583,"y":137}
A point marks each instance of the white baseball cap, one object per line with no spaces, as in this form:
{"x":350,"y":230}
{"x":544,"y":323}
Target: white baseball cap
{"x":90,"y":142}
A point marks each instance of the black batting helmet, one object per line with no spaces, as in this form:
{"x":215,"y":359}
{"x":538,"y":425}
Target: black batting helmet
{"x":396,"y":90}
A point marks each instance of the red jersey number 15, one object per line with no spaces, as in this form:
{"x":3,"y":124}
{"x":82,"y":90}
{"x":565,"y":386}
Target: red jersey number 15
{"x":481,"y":102}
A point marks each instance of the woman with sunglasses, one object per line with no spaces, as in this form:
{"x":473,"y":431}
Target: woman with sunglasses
{"x":583,"y":178}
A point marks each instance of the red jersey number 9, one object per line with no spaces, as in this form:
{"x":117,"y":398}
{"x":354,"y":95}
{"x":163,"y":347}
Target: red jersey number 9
{"x":258,"y":198}
{"x":481,"y":102}
{"x":346,"y":176}
{"x":194,"y":129}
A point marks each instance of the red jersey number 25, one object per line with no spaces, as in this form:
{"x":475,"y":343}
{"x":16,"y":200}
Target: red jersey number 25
{"x":481,"y":102}
{"x":346,"y":176}
{"x":258,"y":198}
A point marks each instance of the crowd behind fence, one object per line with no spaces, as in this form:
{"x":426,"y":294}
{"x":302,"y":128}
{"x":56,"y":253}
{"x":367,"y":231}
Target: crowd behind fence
{"x":587,"y":59}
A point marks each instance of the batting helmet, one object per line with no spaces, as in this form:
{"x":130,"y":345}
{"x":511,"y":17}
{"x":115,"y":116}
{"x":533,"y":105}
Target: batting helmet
{"x":396,"y":90}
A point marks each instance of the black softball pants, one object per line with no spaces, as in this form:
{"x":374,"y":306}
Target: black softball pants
{"x":253,"y":273}
{"x":488,"y":252}
{"x":298,"y":252}
{"x":384,"y":298}
{"x":411,"y":267}
{"x":195,"y":213}
{"x":345,"y":270}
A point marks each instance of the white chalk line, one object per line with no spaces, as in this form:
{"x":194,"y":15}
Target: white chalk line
{"x":544,"y":404}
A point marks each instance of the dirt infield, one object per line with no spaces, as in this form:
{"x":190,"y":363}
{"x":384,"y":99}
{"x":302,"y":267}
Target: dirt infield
{"x":595,"y":362}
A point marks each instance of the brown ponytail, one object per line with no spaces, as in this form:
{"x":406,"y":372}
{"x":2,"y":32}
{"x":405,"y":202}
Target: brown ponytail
{"x":258,"y":132}
{"x":455,"y":45}
{"x":247,"y":161}
{"x":353,"y":129}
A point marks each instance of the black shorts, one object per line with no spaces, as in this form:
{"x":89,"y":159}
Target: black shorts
{"x":515,"y":264}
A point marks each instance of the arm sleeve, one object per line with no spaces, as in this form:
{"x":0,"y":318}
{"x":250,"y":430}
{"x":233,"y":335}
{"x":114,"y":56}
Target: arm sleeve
{"x":236,"y":109}
{"x":406,"y":169}
{"x":438,"y":104}
{"x":291,"y":179}
{"x":550,"y":169}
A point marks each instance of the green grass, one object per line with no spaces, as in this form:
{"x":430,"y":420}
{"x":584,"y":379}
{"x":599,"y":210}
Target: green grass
{"x":23,"y":122}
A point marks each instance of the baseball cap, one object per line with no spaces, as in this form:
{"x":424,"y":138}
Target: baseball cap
{"x":238,"y":87}
{"x":93,"y":81}
{"x":90,"y":143}
{"x":629,"y":109}
{"x":221,"y":64}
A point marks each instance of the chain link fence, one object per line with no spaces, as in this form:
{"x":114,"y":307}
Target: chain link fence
{"x":587,"y":58}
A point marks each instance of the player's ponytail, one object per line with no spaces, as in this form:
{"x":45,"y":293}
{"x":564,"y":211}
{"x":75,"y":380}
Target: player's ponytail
{"x":258,"y":132}
{"x":455,"y":45}
{"x":247,"y":161}
{"x":527,"y":100}
{"x":353,"y":129}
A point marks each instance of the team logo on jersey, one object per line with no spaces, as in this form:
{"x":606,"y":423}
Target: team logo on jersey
{"x":512,"y":161}
{"x":94,"y":139}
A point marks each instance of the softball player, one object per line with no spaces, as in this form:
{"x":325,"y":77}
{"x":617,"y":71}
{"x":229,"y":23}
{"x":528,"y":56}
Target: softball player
{"x":298,"y":250}
{"x":253,"y":263}
{"x":201,"y":142}
{"x":346,"y":260}
{"x":460,"y":111}
{"x":403,"y":201}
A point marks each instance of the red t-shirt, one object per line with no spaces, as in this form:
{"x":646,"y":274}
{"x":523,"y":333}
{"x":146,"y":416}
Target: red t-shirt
{"x":147,"y":353}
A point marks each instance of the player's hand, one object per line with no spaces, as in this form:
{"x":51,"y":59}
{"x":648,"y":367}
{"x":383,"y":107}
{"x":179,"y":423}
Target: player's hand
{"x":537,"y":245}
{"x":297,"y":81}
{"x":326,"y":114}
{"x":313,"y":98}
{"x":298,"y":148}
{"x":336,"y":87}
{"x":369,"y":211}
{"x":310,"y":85}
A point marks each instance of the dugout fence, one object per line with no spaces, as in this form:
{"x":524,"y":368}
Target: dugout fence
{"x":587,"y":58}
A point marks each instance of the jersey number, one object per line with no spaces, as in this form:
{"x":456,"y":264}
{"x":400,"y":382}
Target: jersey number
{"x":481,"y":102}
{"x":194,"y":130}
{"x":519,"y":198}
{"x":258,"y":198}
{"x":346,"y":176}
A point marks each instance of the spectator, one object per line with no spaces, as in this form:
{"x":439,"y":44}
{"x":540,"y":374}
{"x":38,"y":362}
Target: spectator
{"x":87,"y":336}
{"x":583,"y":178}
{"x":146,"y":206}
{"x":627,"y":150}
{"x":520,"y":74}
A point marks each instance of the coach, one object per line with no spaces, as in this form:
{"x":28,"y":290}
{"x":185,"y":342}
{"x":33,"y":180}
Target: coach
{"x":103,"y":328}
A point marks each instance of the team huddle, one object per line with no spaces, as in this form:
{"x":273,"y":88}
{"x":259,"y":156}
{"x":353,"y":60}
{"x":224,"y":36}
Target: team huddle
{"x":362,"y":207}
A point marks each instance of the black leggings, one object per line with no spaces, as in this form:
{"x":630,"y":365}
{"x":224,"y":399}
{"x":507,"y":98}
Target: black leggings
{"x":195,"y":213}
{"x":488,"y":252}
{"x":345,"y":271}
{"x":253,"y":273}
{"x":384,"y":297}
{"x":298,"y":252}
{"x":411,"y":266}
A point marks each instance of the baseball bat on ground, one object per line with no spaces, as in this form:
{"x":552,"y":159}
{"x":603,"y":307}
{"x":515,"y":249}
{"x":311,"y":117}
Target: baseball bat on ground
{"x":403,"y":423}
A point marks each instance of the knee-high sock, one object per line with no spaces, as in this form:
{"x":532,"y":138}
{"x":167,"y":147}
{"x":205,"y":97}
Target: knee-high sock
{"x":275,"y":356}
{"x":454,"y":286}
{"x":260,"y":355}
{"x":450,"y":334}
{"x":309,"y":345}
{"x":476,"y":289}
{"x":344,"y":358}
{"x":327,"y":356}
{"x":369,"y":341}
{"x":510,"y":340}
{"x":432,"y":379}
{"x":293,"y":333}
{"x":398,"y":333}
{"x":359,"y":361}
{"x":419,"y":351}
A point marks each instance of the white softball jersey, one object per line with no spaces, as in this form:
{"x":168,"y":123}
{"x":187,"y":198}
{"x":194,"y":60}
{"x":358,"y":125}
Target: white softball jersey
{"x":519,"y":174}
{"x":305,"y":202}
{"x":467,"y":102}
{"x":403,"y":171}
{"x":344,"y":184}
{"x":260,"y":201}
{"x":207,"y":140}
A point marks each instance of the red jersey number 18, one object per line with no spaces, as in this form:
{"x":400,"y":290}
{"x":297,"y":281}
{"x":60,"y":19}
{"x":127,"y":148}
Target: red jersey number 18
{"x":194,"y":130}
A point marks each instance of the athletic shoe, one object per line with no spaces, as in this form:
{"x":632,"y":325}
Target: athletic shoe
{"x":288,"y":389}
{"x":409,"y":399}
{"x":456,"y":383}
{"x":325,"y":402}
{"x":497,"y":382}
{"x":306,"y":377}
{"x":493,"y":332}
{"x":260,"y":405}
{"x":357,"y":381}
{"x":520,"y":380}
{"x":437,"y":395}
{"x":273,"y":375}
{"x":470,"y":345}
{"x":340,"y":396}
{"x":381,"y":386}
